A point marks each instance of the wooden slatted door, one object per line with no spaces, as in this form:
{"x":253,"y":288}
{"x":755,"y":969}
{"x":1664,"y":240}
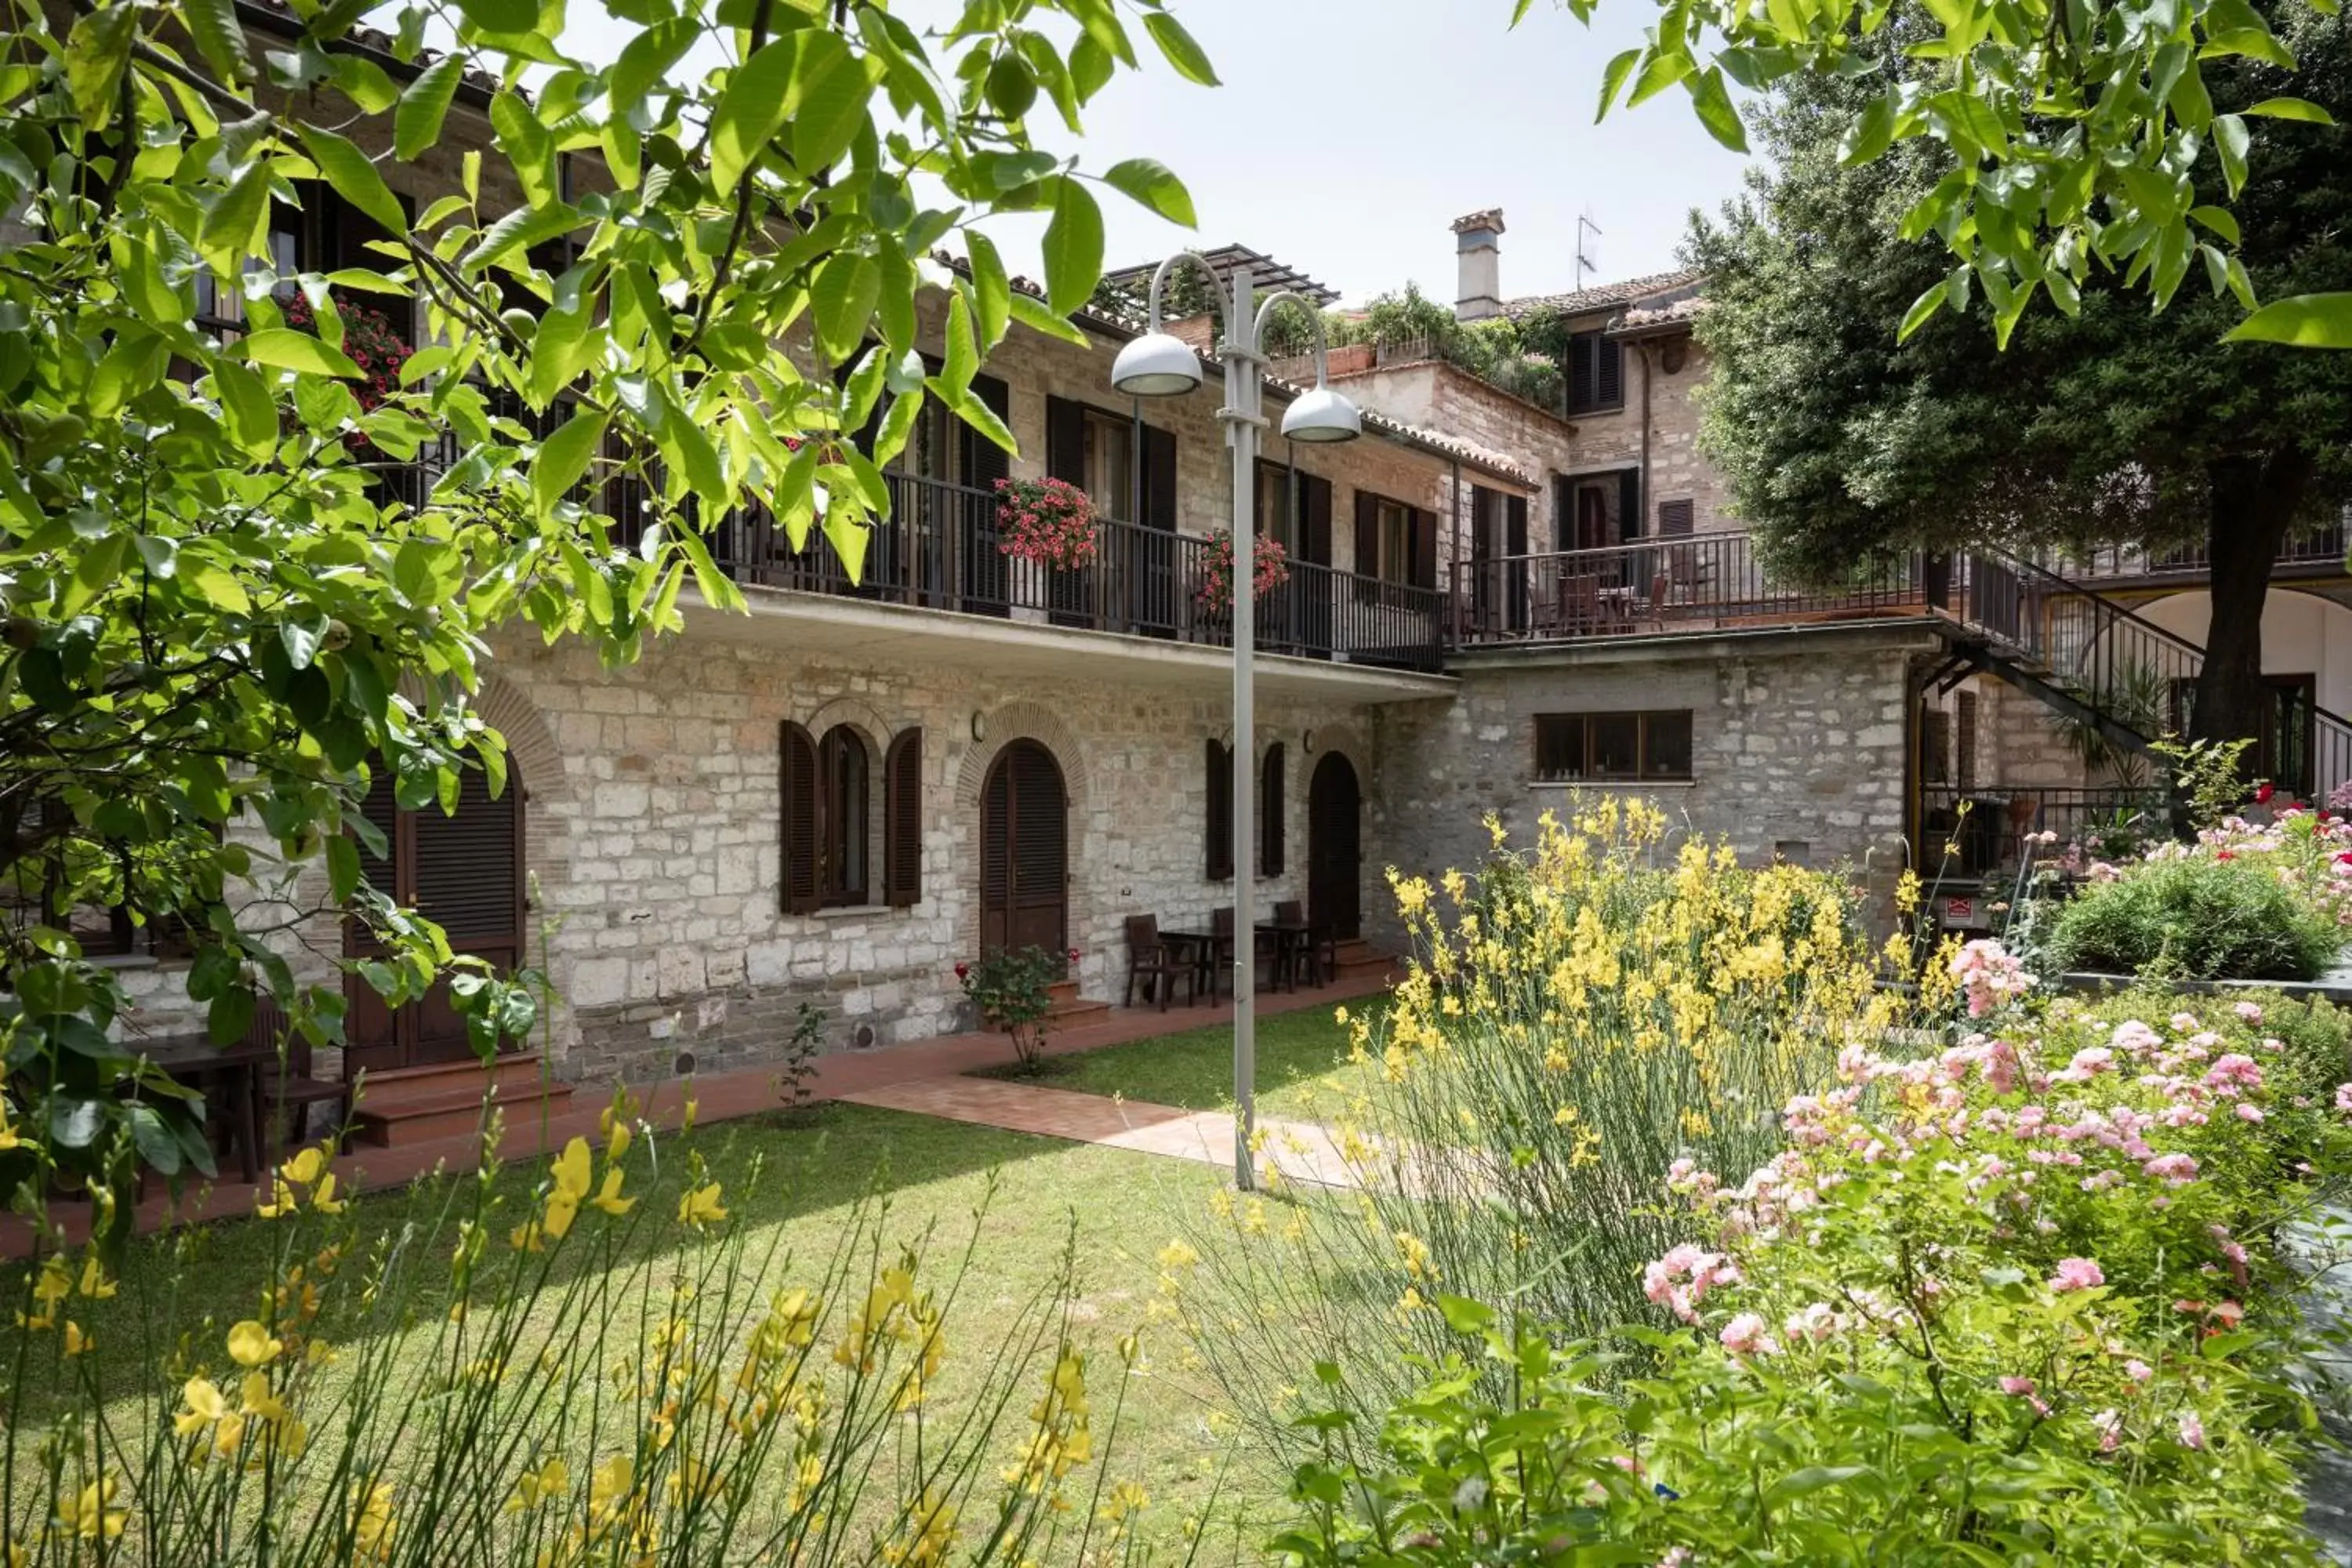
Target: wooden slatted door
{"x":1334,"y":890}
{"x":1024,"y":899}
{"x":465,"y":871}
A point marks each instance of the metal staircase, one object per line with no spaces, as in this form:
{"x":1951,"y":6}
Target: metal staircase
{"x":2095,"y":662}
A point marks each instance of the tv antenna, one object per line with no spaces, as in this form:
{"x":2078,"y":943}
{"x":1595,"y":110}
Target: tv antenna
{"x":1584,"y":263}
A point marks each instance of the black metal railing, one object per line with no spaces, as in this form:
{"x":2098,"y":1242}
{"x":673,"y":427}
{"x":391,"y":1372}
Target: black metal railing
{"x":1975,"y":832}
{"x":2128,"y":674}
{"x":1694,"y":584}
{"x":2321,"y":551}
{"x":940,"y":549}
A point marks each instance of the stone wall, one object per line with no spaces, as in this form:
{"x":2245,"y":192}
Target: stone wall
{"x":1677,"y":469}
{"x":1440,"y":396}
{"x":1798,"y":742}
{"x":661,"y":872}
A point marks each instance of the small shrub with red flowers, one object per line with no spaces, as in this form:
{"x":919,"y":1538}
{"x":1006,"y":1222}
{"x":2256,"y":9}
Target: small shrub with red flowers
{"x":1270,"y":569}
{"x":2021,"y":1300}
{"x":1050,"y":522}
{"x":1012,"y":991}
{"x":370,"y":340}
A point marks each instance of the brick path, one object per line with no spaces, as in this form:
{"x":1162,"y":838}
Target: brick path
{"x":718,"y":1097}
{"x":1299,"y":1150}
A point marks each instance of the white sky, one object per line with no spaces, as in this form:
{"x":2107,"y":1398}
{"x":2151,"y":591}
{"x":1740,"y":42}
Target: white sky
{"x":1420,"y":111}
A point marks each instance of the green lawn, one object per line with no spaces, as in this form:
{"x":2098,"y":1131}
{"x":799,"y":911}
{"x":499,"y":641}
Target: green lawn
{"x":1193,"y":1069}
{"x":1112,"y":1208}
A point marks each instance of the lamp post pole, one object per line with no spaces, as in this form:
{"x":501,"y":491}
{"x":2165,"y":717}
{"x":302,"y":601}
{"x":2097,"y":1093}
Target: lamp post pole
{"x":1157,"y":365}
{"x":1244,"y":385}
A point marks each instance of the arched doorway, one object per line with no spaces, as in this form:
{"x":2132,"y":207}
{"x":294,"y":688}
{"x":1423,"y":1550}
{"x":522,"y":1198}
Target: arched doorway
{"x":465,"y":871}
{"x":1024,"y":831}
{"x":1335,"y":848}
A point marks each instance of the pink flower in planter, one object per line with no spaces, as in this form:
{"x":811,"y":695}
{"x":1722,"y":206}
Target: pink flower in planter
{"x":2076,"y":1274}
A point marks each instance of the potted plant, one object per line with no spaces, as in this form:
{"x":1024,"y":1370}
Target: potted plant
{"x":370,"y":340}
{"x":1013,"y":992}
{"x":1049,"y":521}
{"x":1270,"y":569}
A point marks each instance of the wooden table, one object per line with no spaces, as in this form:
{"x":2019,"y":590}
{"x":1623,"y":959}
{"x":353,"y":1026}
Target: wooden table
{"x":1289,"y":936}
{"x":1201,"y":949}
{"x":195,"y":1061}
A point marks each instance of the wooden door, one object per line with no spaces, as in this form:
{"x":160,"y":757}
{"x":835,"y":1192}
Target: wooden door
{"x":465,"y":871}
{"x":1024,"y":899}
{"x":1335,"y":893}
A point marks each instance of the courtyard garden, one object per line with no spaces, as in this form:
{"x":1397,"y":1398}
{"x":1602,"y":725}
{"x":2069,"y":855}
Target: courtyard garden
{"x":1670,"y":1233}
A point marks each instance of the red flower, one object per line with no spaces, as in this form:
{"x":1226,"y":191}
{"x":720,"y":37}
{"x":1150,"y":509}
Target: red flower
{"x":2262,"y":793}
{"x":964,"y":972}
{"x":1074,"y":956}
{"x":2225,"y":855}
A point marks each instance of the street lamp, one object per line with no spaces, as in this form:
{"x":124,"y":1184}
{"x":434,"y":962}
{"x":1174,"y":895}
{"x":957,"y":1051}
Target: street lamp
{"x":1160,"y":364}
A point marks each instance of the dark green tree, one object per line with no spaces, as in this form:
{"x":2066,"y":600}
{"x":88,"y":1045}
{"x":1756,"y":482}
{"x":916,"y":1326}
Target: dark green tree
{"x":2113,"y":424}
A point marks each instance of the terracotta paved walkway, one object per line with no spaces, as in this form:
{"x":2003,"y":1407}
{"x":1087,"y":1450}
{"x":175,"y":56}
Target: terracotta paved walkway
{"x":719,"y":1096}
{"x":1299,"y":1150}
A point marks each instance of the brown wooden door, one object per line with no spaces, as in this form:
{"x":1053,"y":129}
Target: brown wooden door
{"x":1024,"y":899}
{"x":1335,"y":892}
{"x":465,"y":871}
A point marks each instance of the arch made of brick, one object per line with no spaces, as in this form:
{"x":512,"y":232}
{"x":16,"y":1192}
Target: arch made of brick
{"x":1349,"y":743}
{"x":859,"y":716}
{"x":1020,"y":722}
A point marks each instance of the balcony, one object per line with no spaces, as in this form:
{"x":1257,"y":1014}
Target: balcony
{"x":2320,"y":555}
{"x":1665,"y":587}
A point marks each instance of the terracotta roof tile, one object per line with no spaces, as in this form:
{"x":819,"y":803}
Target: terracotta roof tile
{"x":1605,"y":296}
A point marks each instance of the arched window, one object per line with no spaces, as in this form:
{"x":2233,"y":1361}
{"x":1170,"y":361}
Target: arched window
{"x":831,"y":831}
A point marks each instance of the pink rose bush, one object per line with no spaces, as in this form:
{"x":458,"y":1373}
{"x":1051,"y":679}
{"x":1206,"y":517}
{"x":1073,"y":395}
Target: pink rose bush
{"x":2021,"y":1291}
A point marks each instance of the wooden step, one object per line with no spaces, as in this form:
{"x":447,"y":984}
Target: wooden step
{"x":1357,"y":959}
{"x":421,"y":1110}
{"x":1068,"y":1010}
{"x":515,"y":1069}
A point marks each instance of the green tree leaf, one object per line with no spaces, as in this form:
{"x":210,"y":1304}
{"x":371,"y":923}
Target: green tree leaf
{"x":1712,"y":99}
{"x":1073,"y":246}
{"x":841,"y":297}
{"x":1613,"y":77}
{"x":563,"y":458}
{"x":286,"y":349}
{"x":2301,"y":108}
{"x":417,"y":124}
{"x":220,"y":37}
{"x":763,"y":94}
{"x":354,"y":177}
{"x":1155,"y":185}
{"x":529,"y":145}
{"x":992,"y":290}
{"x":2305,"y":320}
{"x":501,"y":16}
{"x":1177,"y":47}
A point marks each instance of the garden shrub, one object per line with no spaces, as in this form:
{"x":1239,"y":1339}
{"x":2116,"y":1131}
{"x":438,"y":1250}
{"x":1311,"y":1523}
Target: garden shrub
{"x":1570,"y":1021}
{"x":583,"y":1382}
{"x":2197,"y":918}
{"x":2017,"y":1301}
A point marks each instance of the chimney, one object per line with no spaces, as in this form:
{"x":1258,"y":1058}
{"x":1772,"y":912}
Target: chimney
{"x":1478,"y":251}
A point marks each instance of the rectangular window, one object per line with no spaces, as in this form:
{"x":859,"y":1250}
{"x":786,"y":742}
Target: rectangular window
{"x":1109,"y":457}
{"x":1649,"y":746}
{"x":1396,"y":564}
{"x":1274,"y":518}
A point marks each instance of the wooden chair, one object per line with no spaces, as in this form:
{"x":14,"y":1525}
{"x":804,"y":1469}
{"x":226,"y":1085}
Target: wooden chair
{"x":1579,"y":602}
{"x":1150,"y":959}
{"x":1318,"y":953}
{"x":288,"y":1088}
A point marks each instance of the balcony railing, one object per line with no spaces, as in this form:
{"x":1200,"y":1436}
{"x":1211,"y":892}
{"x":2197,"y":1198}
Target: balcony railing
{"x":1702,"y":583}
{"x":2320,"y":552}
{"x":1975,"y":832}
{"x":940,"y":549}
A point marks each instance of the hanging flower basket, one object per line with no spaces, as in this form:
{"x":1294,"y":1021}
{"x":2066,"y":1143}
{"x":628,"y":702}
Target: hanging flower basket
{"x":1271,"y":570}
{"x":1050,"y":522}
{"x":369,"y":338}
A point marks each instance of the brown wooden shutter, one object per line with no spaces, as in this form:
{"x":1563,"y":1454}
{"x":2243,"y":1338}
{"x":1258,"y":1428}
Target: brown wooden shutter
{"x":469,"y":867}
{"x":801,"y":836}
{"x":1159,"y":480}
{"x":1582,"y":353}
{"x":1066,"y":440}
{"x":1367,"y":534}
{"x":1270,"y":818}
{"x":388,"y":875}
{"x":1608,"y":373}
{"x":1220,"y":829}
{"x":1674,"y":519}
{"x":1424,"y":548}
{"x":1315,"y":519}
{"x":902,"y":832}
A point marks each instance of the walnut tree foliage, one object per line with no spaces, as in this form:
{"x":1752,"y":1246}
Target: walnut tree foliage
{"x":2113,"y":424}
{"x":2070,"y":139}
{"x":223,"y":616}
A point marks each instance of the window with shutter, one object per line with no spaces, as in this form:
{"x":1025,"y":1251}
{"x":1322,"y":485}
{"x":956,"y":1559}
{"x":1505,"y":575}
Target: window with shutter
{"x":1219,"y":834}
{"x":1424,"y":548}
{"x":796,"y":772}
{"x":468,"y":869}
{"x":1676,"y":519}
{"x":1270,"y":813}
{"x":1066,"y":440}
{"x":1159,"y":480}
{"x":1596,"y":373}
{"x":844,"y":801}
{"x":902,"y":772}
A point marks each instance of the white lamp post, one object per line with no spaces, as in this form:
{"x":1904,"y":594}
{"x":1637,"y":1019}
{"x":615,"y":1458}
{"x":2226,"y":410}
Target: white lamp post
{"x":1159,"y":364}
